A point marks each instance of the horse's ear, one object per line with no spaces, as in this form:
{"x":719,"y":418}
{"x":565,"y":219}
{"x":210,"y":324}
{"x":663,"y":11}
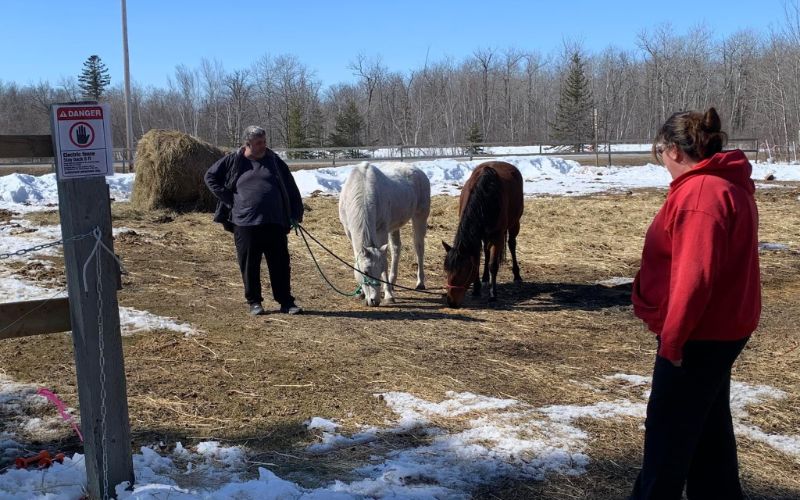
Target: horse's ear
{"x":447,"y":247}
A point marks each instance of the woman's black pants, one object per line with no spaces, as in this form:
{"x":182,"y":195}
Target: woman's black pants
{"x":689,"y":436}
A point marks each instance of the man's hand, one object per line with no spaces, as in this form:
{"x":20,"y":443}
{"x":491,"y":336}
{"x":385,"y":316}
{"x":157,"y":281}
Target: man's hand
{"x":677,"y":364}
{"x":293,"y":224}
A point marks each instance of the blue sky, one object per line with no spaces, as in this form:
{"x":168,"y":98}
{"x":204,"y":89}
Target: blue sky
{"x":49,"y":39}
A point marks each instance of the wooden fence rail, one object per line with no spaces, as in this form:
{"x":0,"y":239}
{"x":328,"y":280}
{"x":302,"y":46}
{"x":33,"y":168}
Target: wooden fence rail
{"x":34,"y":317}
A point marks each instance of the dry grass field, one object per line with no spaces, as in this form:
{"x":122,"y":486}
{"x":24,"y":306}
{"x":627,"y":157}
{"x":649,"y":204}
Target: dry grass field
{"x":551,"y":340}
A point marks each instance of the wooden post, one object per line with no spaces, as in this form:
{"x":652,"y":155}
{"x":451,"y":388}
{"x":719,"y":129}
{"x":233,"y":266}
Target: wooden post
{"x":84,"y":204}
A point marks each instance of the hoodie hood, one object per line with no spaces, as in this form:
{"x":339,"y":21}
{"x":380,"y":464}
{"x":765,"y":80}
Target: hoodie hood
{"x":732,"y":166}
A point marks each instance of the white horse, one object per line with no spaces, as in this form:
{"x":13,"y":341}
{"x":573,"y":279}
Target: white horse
{"x":374,"y":204}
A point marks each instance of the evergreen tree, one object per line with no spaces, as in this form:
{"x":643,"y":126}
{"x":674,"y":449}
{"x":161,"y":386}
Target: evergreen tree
{"x":573,"y":124}
{"x":347,"y":129}
{"x":316,"y":128}
{"x":296,"y":134}
{"x":474,"y":137}
{"x":94,"y":78}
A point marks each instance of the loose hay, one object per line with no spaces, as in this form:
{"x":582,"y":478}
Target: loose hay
{"x":170,"y":167}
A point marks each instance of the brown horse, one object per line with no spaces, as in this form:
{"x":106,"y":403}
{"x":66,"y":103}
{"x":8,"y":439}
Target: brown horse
{"x":490,"y":208}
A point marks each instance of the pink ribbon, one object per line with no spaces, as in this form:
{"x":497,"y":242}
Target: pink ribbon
{"x":62,"y":409}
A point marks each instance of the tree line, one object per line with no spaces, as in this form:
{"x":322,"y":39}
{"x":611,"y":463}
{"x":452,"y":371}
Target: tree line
{"x":497,"y":95}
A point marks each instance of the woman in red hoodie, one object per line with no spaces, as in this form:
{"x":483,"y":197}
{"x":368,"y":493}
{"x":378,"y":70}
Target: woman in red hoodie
{"x":699,"y":291}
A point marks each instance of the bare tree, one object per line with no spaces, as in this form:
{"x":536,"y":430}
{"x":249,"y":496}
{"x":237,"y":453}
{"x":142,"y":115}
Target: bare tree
{"x":238,"y":92}
{"x":511,"y":60}
{"x":371,"y":72}
{"x":187,"y":85}
{"x":214,"y":80}
{"x":483,"y":58}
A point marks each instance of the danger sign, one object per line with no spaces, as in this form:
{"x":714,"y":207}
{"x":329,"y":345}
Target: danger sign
{"x":82,"y":136}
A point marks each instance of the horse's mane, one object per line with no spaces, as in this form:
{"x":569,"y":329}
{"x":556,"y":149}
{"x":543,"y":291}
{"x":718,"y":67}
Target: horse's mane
{"x":360,"y":202}
{"x":481,"y":212}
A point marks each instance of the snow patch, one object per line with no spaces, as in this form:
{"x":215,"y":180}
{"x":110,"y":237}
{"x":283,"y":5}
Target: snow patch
{"x":29,"y":193}
{"x":615,"y":281}
{"x":500,"y":438}
{"x":321,"y":424}
{"x":774,"y":247}
{"x":543,"y":175}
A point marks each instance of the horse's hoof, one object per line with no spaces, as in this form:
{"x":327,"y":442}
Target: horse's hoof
{"x":389,"y":300}
{"x":518,"y":279}
{"x":420,"y":287}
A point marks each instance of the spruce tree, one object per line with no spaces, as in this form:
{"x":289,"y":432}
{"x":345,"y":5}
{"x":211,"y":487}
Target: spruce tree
{"x":347,"y":128}
{"x":94,"y":78}
{"x":573,"y":123}
{"x":474,"y":137}
{"x":296,"y":134}
{"x":316,"y":128}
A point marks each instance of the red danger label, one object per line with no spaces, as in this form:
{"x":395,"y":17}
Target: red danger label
{"x":82,"y":113}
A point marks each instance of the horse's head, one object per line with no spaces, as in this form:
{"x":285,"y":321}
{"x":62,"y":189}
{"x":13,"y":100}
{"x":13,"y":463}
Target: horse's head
{"x":372,"y":264}
{"x":462,"y":270}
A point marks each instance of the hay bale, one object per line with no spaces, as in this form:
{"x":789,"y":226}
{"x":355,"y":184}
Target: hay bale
{"x":170,"y":166}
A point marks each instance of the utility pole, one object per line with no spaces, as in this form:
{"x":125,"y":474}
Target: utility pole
{"x":128,"y":117}
{"x":594,"y":125}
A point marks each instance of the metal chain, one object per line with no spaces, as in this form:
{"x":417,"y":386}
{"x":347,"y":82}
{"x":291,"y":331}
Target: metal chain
{"x":102,"y":350}
{"x":23,"y":251}
{"x":29,"y":250}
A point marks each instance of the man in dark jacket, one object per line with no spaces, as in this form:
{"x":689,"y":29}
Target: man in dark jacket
{"x":259,"y":202}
